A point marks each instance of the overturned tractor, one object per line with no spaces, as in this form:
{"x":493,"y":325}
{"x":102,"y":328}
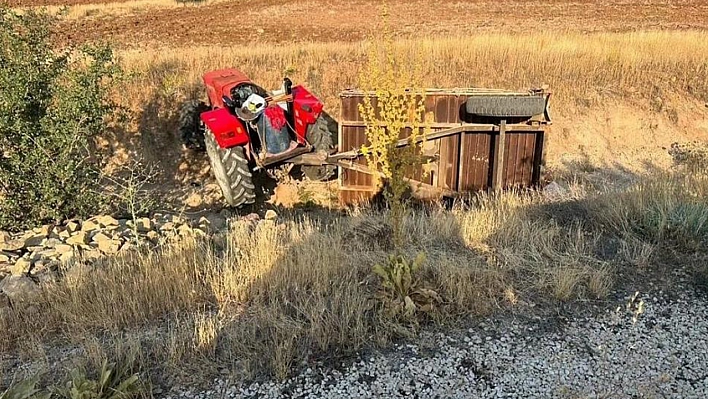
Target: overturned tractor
{"x":479,"y":138}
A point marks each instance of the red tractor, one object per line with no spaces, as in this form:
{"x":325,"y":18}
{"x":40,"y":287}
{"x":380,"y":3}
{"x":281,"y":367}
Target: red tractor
{"x":245,"y":128}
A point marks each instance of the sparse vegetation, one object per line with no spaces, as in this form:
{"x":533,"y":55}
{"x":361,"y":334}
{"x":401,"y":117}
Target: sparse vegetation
{"x":271,"y":295}
{"x":111,"y":382}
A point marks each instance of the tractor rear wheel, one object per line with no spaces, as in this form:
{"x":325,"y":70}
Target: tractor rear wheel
{"x":232,"y":172}
{"x":191,"y":128}
{"x":321,"y":135}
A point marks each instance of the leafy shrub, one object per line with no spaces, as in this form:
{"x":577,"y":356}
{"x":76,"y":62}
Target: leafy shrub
{"x":113,"y":383}
{"x":53,"y":102}
{"x":393,"y":103}
{"x":402,"y":291}
{"x":26,"y":389}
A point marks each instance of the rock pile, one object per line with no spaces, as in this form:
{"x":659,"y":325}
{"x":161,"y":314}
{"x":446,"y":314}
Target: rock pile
{"x":35,"y":256}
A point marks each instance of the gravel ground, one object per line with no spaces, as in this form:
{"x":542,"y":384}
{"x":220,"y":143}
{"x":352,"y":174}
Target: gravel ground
{"x":650,"y":347}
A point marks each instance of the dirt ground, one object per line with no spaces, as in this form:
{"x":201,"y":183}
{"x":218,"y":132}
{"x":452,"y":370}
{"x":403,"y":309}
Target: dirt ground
{"x":271,"y":21}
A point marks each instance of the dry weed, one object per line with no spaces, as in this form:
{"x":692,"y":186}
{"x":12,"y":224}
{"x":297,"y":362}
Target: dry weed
{"x":271,"y":294}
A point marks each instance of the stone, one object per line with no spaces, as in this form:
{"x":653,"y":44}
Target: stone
{"x":100,"y":237}
{"x":51,"y":242}
{"x":4,"y":237}
{"x":167,"y":226}
{"x":4,"y":257}
{"x":554,"y":191}
{"x":91,"y":254}
{"x":61,"y":249}
{"x":110,"y":246}
{"x":46,"y":253}
{"x":107,"y":221}
{"x":270,"y":215}
{"x":12,"y":245}
{"x":90,"y":225}
{"x":144,"y":225}
{"x":67,"y":256}
{"x":64,"y":234}
{"x":152,"y":235}
{"x":216,"y":222}
{"x":73,"y":226}
{"x":40,"y":267}
{"x":56,"y":232}
{"x":79,"y":238}
{"x":45,"y":230}
{"x":33,"y":240}
{"x":18,"y":288}
{"x":21,"y":267}
{"x":251,"y":217}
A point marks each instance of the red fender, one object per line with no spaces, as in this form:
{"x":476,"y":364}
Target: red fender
{"x":227,"y":128}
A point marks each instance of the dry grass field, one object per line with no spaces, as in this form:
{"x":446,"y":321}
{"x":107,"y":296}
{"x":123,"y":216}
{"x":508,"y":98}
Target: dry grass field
{"x":266,"y":297}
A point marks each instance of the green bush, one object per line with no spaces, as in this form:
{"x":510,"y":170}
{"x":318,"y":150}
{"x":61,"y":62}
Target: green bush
{"x":113,"y":382}
{"x":53,"y":103}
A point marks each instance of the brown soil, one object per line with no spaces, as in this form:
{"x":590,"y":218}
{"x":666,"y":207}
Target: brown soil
{"x":275,"y":21}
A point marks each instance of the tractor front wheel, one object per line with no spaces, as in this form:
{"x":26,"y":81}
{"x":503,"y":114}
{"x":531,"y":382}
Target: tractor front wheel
{"x":232,"y":172}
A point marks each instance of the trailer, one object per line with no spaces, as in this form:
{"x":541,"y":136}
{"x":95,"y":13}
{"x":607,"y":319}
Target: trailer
{"x":480,"y":139}
{"x":476,"y":139}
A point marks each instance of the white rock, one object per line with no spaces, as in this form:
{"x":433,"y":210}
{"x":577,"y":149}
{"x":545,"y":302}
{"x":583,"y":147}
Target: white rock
{"x":270,"y":215}
{"x":18,"y":288}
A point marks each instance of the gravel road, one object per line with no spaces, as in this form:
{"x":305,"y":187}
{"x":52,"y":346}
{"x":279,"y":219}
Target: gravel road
{"x":650,"y":347}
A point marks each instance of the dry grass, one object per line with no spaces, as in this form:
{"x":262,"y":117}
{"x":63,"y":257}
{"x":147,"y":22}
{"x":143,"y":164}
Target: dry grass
{"x":579,"y":68}
{"x":588,"y":74}
{"x":268,"y":296}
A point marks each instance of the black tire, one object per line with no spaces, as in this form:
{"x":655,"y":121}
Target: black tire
{"x":509,"y":106}
{"x":191,"y":128}
{"x":230,"y":167}
{"x":322,"y":135}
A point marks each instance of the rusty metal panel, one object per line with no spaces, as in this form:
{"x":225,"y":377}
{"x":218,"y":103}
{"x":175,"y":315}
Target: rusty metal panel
{"x":475,"y":158}
{"x":353,"y":137}
{"x":449,"y":161}
{"x":519,"y":154}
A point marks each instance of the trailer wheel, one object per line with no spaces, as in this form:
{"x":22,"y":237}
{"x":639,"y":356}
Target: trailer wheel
{"x":507,"y":106}
{"x":321,"y":135}
{"x":191,"y":128}
{"x":232,"y":172}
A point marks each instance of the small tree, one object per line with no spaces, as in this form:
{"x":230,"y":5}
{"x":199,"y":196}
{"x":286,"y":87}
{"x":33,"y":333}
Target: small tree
{"x":393,"y":107}
{"x":53,"y":102}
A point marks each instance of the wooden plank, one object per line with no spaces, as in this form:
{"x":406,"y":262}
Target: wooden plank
{"x":498,"y":162}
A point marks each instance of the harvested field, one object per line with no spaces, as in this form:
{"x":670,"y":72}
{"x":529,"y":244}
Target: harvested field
{"x":273,"y":21}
